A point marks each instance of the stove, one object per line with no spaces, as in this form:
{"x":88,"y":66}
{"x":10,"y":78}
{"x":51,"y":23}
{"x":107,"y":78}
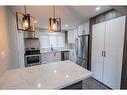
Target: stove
{"x":32,"y":52}
{"x":32,"y":57}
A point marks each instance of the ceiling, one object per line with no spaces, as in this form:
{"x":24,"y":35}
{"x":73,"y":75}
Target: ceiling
{"x":70,"y":15}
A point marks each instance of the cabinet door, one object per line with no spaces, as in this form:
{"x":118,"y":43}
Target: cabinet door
{"x":71,"y":36}
{"x":114,"y":40}
{"x":81,"y":30}
{"x":98,"y":31}
{"x":44,"y":58}
{"x":50,"y":57}
{"x":57,"y":56}
{"x":72,"y":56}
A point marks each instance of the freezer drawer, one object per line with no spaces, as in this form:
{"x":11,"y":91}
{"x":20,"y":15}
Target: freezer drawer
{"x":81,"y":62}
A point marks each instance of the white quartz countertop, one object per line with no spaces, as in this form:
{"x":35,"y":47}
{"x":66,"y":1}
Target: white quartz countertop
{"x":55,"y":50}
{"x":55,"y":75}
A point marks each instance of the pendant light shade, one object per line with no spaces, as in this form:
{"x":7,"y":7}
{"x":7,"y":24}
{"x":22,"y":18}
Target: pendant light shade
{"x":54,"y":24}
{"x":25,"y":22}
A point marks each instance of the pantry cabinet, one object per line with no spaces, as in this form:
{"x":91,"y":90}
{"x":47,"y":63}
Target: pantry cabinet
{"x":98,"y":31}
{"x":107,"y":51}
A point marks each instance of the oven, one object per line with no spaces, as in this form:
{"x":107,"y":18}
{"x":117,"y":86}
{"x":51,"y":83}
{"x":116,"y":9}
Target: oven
{"x":31,"y":60}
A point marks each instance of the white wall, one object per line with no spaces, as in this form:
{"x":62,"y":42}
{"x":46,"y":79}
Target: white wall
{"x":8,"y":41}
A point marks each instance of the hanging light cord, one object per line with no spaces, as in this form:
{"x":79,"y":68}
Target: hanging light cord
{"x":54,"y":11}
{"x":25,"y":9}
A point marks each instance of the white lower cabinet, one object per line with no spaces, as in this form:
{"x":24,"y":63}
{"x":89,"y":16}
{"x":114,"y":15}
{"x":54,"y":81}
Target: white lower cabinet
{"x":44,"y":58}
{"x":57,"y":56}
{"x":72,"y":56}
{"x":50,"y":57}
{"x":107,"y":51}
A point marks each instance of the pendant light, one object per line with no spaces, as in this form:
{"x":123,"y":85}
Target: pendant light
{"x":25,"y":22}
{"x":54,"y":24}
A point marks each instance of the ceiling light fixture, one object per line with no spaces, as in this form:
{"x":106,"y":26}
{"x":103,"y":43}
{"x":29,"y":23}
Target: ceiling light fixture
{"x":98,"y":8}
{"x":25,"y":22}
{"x":54,"y":24}
{"x":66,"y":25}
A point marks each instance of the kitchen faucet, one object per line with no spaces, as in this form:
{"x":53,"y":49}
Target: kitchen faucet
{"x":51,"y":47}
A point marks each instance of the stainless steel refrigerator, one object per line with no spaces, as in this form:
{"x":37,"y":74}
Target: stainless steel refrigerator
{"x":81,"y":47}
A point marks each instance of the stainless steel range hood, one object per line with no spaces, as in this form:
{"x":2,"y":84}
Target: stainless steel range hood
{"x":30,"y":35}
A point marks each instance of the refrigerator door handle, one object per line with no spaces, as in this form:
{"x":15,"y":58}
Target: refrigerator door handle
{"x":76,"y":46}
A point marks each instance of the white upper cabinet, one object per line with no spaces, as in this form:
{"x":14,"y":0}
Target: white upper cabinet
{"x":71,"y":36}
{"x":81,"y":30}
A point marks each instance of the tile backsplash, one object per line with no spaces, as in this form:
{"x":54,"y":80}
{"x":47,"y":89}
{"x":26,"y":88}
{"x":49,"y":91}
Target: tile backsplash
{"x":32,"y":43}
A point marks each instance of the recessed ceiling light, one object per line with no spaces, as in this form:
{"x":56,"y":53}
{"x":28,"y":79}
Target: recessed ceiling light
{"x":98,"y":8}
{"x":66,"y":25}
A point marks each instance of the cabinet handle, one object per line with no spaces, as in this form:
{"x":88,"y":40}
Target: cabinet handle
{"x":54,"y":54}
{"x":104,"y":53}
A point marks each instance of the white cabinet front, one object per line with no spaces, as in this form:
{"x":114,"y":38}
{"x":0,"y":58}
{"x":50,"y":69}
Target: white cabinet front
{"x":108,"y":37}
{"x":51,"y":57}
{"x":57,"y":56}
{"x":97,"y":48}
{"x":72,"y":56}
{"x":114,"y":41}
{"x":71,"y":36}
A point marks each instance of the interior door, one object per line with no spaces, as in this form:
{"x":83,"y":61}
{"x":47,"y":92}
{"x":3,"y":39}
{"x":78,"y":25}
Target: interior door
{"x":98,"y":31}
{"x":114,"y":40}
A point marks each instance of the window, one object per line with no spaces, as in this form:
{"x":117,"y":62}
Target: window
{"x":44,"y":41}
{"x":52,"y":39}
{"x":55,"y":40}
{"x":60,"y":41}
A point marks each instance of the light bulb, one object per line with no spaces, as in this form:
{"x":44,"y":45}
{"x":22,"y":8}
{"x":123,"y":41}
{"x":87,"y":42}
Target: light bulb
{"x":54,"y":26}
{"x":26,"y":24}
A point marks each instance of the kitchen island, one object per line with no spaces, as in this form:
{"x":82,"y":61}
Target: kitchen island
{"x":56,"y":75}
